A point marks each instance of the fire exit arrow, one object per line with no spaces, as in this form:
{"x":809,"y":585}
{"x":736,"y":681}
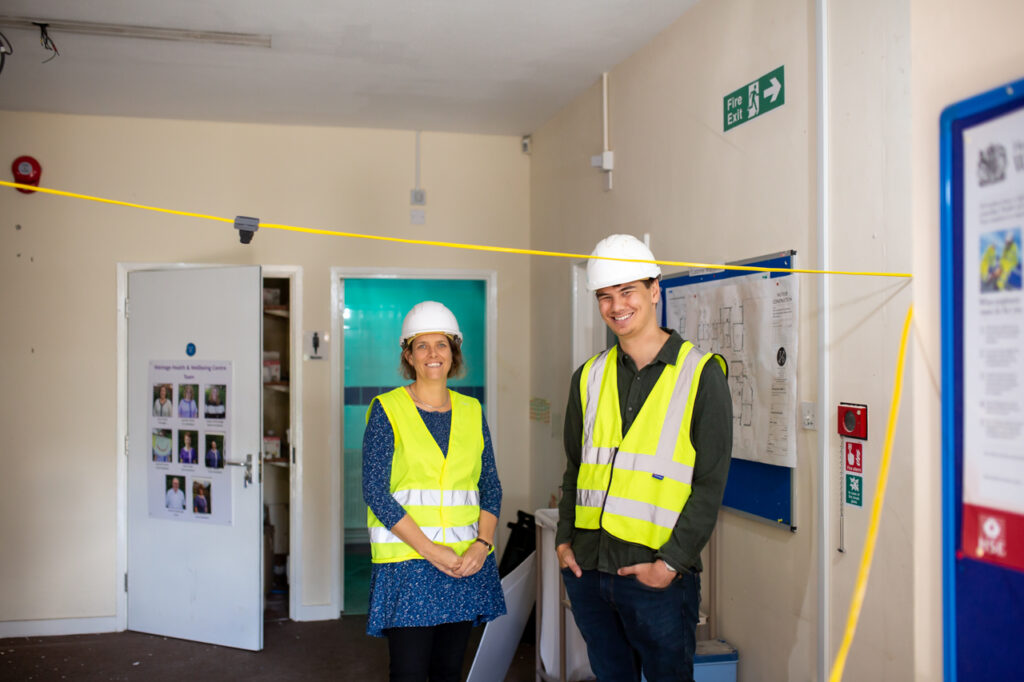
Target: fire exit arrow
{"x":754,"y":99}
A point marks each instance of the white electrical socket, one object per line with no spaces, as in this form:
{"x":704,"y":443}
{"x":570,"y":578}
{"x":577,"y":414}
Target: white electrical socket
{"x":808,"y":416}
{"x":417,"y":216}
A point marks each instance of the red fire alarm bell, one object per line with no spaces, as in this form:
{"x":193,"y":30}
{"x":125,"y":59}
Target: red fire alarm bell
{"x":26,"y":172}
{"x":853,"y":420}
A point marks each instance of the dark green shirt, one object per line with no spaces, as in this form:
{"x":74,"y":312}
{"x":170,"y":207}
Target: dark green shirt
{"x":711,"y":434}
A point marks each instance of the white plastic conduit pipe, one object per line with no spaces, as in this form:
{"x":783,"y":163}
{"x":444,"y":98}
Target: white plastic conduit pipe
{"x":824,"y":341}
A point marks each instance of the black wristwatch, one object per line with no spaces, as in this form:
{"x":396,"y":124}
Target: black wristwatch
{"x":485,"y":543}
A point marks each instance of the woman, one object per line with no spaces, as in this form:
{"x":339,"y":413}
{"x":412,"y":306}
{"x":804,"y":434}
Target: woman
{"x":214,"y":406}
{"x":199,"y":505}
{"x":187,"y":454}
{"x":162,"y":405}
{"x":433,"y":494}
{"x":187,"y":408}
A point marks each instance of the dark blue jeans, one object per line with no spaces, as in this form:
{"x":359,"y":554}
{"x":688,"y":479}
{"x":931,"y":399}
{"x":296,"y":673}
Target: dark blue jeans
{"x":627,"y":624}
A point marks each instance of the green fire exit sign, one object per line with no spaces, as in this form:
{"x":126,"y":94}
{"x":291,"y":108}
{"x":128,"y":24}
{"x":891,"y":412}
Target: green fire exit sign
{"x":753,"y":99}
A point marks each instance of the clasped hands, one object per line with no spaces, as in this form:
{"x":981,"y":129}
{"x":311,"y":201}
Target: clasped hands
{"x":451,"y":564}
{"x":654,"y":574}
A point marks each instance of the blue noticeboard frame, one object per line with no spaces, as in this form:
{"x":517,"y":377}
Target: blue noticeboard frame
{"x":983,"y":603}
{"x":764,"y":491}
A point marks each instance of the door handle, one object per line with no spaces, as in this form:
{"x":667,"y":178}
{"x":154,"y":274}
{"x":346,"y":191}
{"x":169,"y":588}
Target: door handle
{"x":248,"y":469}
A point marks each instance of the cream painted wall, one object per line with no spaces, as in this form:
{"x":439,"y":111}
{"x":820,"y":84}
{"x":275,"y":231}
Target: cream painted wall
{"x":710,"y":196}
{"x":870,"y":119}
{"x":57,"y":512}
{"x":958,"y":49}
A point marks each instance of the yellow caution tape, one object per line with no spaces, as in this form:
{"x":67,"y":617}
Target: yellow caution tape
{"x":450,"y":245}
{"x":857,"y":600}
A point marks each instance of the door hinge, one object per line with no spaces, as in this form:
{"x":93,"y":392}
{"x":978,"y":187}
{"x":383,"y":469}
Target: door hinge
{"x":126,"y":439}
{"x":126,"y":581}
{"x":127,"y":308}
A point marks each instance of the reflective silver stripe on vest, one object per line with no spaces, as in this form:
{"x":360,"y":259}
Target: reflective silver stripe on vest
{"x":657,"y":464}
{"x":642,"y":511}
{"x":594,"y":380}
{"x":592,"y":455}
{"x":381,"y":535}
{"x":589,"y":498}
{"x":436,"y":498}
{"x":462,"y":533}
{"x":677,"y":410}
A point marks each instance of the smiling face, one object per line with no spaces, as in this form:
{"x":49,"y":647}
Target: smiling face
{"x":188,"y":393}
{"x":163,"y":394}
{"x":430,"y":356}
{"x":174,"y":483}
{"x":188,"y":441}
{"x":629,"y":309}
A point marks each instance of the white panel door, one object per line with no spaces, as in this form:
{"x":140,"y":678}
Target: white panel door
{"x":191,"y":576}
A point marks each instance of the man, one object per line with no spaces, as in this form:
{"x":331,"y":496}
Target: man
{"x":175,"y":497}
{"x":648,"y":438}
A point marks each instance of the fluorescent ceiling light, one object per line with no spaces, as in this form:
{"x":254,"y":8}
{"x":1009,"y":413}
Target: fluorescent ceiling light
{"x":145,"y":32}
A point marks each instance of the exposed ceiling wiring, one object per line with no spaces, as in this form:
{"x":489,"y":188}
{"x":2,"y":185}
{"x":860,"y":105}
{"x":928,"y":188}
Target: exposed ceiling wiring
{"x":5,"y":49}
{"x":46,"y":41}
{"x":143,"y":32}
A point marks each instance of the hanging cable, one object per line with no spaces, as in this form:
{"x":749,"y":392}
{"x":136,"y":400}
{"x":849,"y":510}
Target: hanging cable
{"x":5,"y":49}
{"x":46,"y":41}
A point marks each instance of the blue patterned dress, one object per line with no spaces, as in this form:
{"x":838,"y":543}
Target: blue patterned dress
{"x":413,"y":593}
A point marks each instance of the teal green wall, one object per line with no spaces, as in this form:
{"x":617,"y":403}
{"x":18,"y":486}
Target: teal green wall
{"x":374,"y":310}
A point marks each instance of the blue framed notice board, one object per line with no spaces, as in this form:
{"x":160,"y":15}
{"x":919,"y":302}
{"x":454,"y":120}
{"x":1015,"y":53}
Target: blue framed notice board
{"x":982,"y":215}
{"x":762,"y":490}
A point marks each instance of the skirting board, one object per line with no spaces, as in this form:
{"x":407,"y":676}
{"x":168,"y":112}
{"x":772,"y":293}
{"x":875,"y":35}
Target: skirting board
{"x":58,"y":626}
{"x":317,"y":612}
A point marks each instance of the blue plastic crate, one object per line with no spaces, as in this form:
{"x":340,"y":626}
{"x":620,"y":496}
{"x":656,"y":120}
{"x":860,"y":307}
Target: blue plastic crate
{"x":715,"y":661}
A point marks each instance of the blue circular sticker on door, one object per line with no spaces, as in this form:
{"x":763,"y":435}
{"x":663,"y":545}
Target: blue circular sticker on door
{"x":190,"y":349}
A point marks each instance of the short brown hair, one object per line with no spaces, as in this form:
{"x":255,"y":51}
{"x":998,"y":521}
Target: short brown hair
{"x":457,"y":369}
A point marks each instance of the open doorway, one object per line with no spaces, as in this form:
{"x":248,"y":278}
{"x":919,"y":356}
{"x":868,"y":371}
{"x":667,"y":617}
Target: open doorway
{"x":372,"y":307}
{"x":281,"y":444}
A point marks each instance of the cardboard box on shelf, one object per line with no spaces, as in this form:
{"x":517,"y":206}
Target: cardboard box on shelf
{"x":271,"y":370}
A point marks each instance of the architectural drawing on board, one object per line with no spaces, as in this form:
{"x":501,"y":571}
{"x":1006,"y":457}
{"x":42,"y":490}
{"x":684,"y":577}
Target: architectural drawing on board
{"x":748,"y":320}
{"x":722,"y":332}
{"x":742,"y":390}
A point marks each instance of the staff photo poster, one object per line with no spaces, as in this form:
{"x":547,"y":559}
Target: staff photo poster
{"x":190,"y":433}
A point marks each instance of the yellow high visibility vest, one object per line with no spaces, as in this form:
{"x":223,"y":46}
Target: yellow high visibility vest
{"x":439,"y":493}
{"x":635,"y":486}
{"x":1007,"y":262}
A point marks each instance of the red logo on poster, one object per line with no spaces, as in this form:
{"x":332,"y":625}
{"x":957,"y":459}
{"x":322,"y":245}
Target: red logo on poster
{"x":855,"y":457}
{"x":991,"y":536}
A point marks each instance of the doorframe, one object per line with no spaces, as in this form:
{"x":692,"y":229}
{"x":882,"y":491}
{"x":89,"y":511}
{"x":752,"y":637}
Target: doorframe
{"x":294,"y":273}
{"x":589,"y":333}
{"x":337,"y":368}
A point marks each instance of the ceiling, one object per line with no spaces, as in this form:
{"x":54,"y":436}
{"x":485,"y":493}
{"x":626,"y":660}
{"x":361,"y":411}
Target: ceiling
{"x":479,"y":66}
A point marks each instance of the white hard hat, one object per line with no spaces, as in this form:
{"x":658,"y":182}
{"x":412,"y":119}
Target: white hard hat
{"x":606,"y":273}
{"x":430,"y":317}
